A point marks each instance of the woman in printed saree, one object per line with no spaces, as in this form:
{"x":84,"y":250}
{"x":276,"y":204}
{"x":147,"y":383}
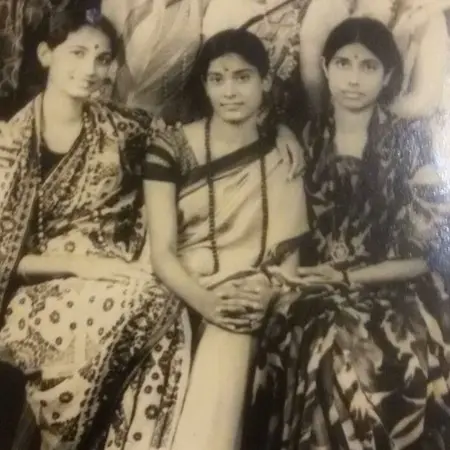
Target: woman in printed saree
{"x":218,"y":201}
{"x":83,"y":313}
{"x":363,"y":362}
{"x":420,"y":31}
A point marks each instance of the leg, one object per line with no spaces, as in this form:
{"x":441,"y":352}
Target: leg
{"x":213,"y":410}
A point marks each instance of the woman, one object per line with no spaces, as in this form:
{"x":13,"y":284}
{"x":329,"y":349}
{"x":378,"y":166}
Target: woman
{"x":81,"y":312}
{"x":216,"y":196}
{"x":277,"y":24}
{"x":420,"y":30}
{"x":362,"y":362}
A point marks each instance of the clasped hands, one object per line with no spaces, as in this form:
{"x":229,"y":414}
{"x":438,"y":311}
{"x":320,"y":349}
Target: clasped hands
{"x":241,"y":304}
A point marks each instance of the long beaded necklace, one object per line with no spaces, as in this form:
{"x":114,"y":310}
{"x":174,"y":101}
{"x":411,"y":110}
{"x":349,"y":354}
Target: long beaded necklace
{"x":212,"y":203}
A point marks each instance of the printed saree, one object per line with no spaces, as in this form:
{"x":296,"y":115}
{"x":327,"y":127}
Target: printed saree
{"x":88,"y":346}
{"x":366,"y":367}
{"x":256,"y":209}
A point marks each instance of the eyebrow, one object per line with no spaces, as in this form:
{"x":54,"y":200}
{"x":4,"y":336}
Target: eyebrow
{"x":83,"y":47}
{"x":235,"y":72}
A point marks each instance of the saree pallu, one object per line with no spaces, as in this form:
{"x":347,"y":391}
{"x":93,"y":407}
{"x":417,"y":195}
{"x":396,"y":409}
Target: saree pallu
{"x":256,"y":208}
{"x":82,"y":343}
{"x":366,"y":367}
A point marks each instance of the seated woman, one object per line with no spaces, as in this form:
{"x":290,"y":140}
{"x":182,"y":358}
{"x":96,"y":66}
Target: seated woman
{"x":360,"y":358}
{"x":420,"y":30}
{"x":81,"y":311}
{"x":218,"y":200}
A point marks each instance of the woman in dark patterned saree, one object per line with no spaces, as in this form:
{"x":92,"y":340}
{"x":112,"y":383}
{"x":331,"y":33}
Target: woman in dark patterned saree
{"x":219,"y":200}
{"x":360,"y":359}
{"x":81,"y":310}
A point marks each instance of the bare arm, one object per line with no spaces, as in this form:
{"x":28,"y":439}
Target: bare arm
{"x":47,"y":266}
{"x":160,"y":201}
{"x":429,"y":72}
{"x":389,"y":271}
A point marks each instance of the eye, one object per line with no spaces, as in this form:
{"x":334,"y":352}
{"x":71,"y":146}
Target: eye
{"x":214,"y":79}
{"x":370,"y":66}
{"x":78,"y":53}
{"x":342,"y":63}
{"x":105,"y":60}
{"x":243,"y":77}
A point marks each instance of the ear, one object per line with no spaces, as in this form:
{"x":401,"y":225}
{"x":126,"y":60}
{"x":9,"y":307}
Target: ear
{"x":387,"y":78}
{"x":267,"y":83}
{"x":44,"y":54}
{"x":324,"y":67}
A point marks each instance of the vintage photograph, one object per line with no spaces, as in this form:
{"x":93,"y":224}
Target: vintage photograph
{"x":225,"y":224}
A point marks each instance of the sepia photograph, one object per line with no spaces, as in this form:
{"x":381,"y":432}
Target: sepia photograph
{"x":225,"y":224}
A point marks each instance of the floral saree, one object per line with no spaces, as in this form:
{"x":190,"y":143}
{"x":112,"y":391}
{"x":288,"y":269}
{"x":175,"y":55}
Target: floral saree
{"x":88,"y":348}
{"x":256,"y":209}
{"x":365,"y":367}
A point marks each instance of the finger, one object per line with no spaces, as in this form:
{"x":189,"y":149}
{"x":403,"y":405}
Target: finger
{"x":242,"y":327}
{"x":242,"y":303}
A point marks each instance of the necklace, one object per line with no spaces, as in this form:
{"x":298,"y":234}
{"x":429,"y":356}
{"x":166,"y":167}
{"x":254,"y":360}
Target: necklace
{"x":212,"y":203}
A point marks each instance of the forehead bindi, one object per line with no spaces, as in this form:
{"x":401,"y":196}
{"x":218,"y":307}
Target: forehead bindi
{"x":230,"y":64}
{"x":356,"y":52}
{"x":89,"y":38}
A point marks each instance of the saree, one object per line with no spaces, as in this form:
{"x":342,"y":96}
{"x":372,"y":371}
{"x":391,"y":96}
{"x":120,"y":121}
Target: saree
{"x":84,"y":344}
{"x":256,"y":209}
{"x":365,"y":367}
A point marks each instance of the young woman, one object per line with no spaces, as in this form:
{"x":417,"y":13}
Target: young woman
{"x":218,"y":201}
{"x":420,"y":31}
{"x":81,"y":312}
{"x":362,"y":361}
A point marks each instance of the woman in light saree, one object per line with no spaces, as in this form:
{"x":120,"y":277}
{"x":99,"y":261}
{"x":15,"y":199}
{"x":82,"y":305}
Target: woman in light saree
{"x":363,"y":362}
{"x":218,"y":201}
{"x":85,"y":321}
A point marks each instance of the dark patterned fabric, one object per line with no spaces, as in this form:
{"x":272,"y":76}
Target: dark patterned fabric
{"x":366,"y":367}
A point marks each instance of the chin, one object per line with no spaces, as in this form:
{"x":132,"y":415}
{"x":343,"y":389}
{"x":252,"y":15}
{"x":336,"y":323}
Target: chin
{"x":81,"y":94}
{"x":234,"y":118}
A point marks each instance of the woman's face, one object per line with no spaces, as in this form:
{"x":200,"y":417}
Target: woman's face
{"x":80,"y":64}
{"x":235,"y":88}
{"x":356,"y":77}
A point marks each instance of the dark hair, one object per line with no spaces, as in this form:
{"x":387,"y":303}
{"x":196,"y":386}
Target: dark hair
{"x":238,"y":41}
{"x":377,"y":38}
{"x":64,"y":22}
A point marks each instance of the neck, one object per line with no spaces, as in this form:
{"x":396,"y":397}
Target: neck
{"x":352,"y":121}
{"x":236,"y":135}
{"x":60,"y":108}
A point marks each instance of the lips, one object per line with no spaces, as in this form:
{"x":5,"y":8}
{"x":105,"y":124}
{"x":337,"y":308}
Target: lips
{"x":231,"y":106}
{"x":353,"y":94}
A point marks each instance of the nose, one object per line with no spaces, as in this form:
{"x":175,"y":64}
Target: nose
{"x":229,"y":89}
{"x":354,"y":76}
{"x":89,"y":67}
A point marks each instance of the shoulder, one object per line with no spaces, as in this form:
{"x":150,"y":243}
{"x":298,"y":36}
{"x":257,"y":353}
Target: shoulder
{"x":409,"y":143}
{"x":121,"y":122}
{"x":195,"y":132}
